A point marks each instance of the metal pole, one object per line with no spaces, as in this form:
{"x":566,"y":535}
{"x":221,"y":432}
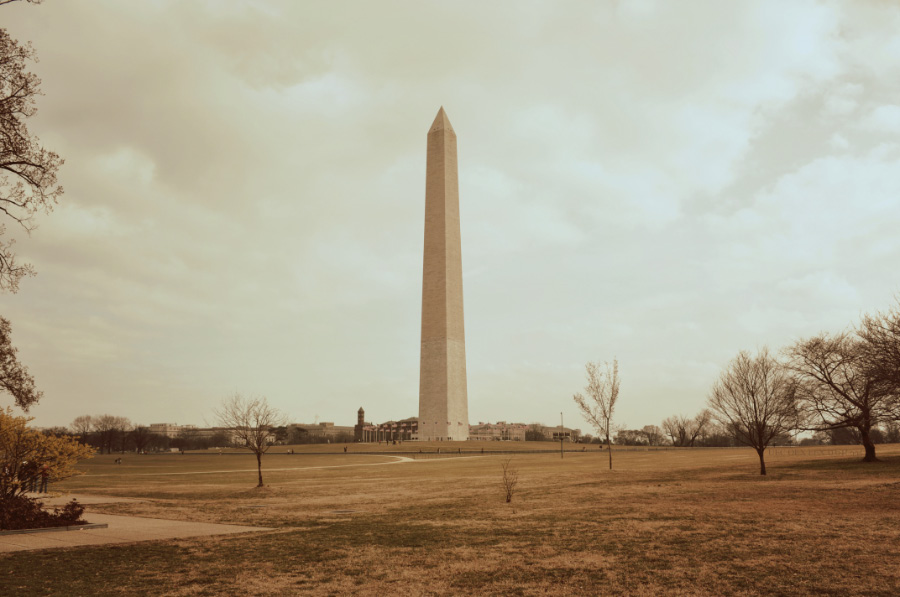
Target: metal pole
{"x":560,"y":435}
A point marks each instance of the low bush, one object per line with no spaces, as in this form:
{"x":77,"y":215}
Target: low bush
{"x":20,"y":512}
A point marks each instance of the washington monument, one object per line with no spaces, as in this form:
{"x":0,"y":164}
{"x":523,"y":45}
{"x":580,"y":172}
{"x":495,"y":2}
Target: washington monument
{"x":443,"y":400}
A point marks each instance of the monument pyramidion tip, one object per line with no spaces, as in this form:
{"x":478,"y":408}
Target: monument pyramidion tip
{"x":441,"y":122}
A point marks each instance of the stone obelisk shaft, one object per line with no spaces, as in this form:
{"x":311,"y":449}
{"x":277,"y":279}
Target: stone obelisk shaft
{"x":443,"y":400}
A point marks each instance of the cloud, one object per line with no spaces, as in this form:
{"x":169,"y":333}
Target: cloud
{"x":668,"y":183}
{"x":883,"y":119}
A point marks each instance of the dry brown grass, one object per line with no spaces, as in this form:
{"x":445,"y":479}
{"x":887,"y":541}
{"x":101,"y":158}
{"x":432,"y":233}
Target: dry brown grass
{"x":679,"y":522}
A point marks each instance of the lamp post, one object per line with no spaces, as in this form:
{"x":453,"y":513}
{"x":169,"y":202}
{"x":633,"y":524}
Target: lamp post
{"x":560,"y":435}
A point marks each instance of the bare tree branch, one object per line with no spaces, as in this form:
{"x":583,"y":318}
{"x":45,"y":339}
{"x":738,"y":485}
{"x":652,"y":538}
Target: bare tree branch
{"x":685,"y":431}
{"x":14,"y":377}
{"x":251,"y":422}
{"x":755,"y":398}
{"x":28,"y":182}
{"x":880,"y":334}
{"x":510,"y":479}
{"x":837,"y":387}
{"x":599,"y":404}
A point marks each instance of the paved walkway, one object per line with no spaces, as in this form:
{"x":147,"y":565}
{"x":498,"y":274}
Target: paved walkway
{"x":122,"y":529}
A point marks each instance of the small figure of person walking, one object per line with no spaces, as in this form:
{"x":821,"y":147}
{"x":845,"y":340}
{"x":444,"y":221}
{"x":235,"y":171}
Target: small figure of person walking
{"x":45,"y":475}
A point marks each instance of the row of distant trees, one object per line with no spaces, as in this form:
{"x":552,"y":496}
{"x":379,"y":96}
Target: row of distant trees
{"x":841,"y":386}
{"x":111,"y":433}
{"x":704,"y":431}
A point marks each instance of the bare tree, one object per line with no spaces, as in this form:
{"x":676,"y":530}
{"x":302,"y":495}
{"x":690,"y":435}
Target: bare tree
{"x":27,"y":170}
{"x":82,"y":426}
{"x":187,"y":439}
{"x":535,"y":433}
{"x":837,"y":387}
{"x":881,"y":346}
{"x":685,"y":431}
{"x":14,"y":377}
{"x":27,"y":186}
{"x":108,"y":429}
{"x":891,"y":431}
{"x":672,"y":427}
{"x":123,"y":434}
{"x":720,"y":436}
{"x":251,"y":422}
{"x":630,"y":437}
{"x":510,"y":478}
{"x":141,"y":437}
{"x":754,"y":397}
{"x":653,"y":435}
{"x":599,"y":405}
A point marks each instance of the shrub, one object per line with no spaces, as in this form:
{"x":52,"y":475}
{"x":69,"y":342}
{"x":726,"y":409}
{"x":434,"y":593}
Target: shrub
{"x":21,"y":512}
{"x":27,"y":455}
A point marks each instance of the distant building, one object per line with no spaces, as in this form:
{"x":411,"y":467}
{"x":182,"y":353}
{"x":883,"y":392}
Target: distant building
{"x":211,"y":432}
{"x":325,"y":430}
{"x":170,"y":429}
{"x":360,"y":425}
{"x":500,"y":431}
{"x":554,"y":433}
{"x":403,"y":430}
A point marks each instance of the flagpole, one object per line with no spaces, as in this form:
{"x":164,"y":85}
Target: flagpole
{"x":560,"y":435}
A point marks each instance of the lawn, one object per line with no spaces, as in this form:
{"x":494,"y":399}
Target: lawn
{"x":672,"y":522}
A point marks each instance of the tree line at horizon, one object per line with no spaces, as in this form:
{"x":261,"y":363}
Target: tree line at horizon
{"x":110,"y":433}
{"x":842,"y":387}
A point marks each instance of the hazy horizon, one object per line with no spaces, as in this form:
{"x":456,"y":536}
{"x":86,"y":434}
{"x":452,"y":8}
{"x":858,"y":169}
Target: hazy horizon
{"x":665,"y":184}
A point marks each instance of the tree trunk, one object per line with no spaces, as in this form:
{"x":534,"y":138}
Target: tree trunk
{"x":762,"y":461}
{"x":868,"y":445}
{"x":259,"y":467}
{"x":609,"y":449}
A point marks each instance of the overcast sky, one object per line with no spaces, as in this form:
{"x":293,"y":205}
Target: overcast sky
{"x":666,"y":183}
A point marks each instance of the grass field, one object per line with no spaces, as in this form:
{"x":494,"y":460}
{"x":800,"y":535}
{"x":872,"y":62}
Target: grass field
{"x":673,"y":522}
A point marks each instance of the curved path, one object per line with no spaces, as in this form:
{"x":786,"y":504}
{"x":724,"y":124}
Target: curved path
{"x":121,"y":529}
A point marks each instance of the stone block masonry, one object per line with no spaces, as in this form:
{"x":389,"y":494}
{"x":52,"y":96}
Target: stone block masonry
{"x":443,"y":397}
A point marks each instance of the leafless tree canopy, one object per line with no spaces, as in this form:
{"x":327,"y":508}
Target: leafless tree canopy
{"x":110,"y":430}
{"x":27,"y":170}
{"x":653,"y":435}
{"x":251,"y":422}
{"x":685,"y":431}
{"x":510,"y":479}
{"x":27,"y":185}
{"x":141,"y":437}
{"x":649,"y":435}
{"x":14,"y":377}
{"x":837,"y":388}
{"x":82,"y":425}
{"x":881,"y":345}
{"x":755,"y":398}
{"x":598,"y":403}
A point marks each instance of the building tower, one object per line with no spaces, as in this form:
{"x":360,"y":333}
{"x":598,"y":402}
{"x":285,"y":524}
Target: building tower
{"x":360,"y":424}
{"x":443,"y":400}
